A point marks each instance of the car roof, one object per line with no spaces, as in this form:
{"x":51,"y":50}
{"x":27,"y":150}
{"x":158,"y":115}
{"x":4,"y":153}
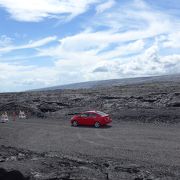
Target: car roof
{"x":93,"y":111}
{"x":90,"y":112}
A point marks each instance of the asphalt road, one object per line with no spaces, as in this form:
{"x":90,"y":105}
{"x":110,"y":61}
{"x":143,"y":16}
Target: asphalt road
{"x":155,"y":144}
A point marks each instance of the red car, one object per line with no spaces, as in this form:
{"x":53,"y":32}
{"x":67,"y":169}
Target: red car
{"x":94,"y":118}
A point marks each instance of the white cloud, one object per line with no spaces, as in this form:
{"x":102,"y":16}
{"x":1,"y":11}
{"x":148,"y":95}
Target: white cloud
{"x":32,"y":44}
{"x":130,"y":48}
{"x":84,"y":67}
{"x":16,"y":77}
{"x":173,"y":40}
{"x":37,"y":10}
{"x":104,"y":6}
{"x":5,"y":41}
{"x":41,"y":42}
{"x":144,"y":64}
{"x":131,"y":45}
{"x":94,"y":55}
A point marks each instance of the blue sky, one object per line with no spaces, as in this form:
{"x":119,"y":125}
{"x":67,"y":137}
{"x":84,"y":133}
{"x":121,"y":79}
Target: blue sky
{"x":52,"y":42}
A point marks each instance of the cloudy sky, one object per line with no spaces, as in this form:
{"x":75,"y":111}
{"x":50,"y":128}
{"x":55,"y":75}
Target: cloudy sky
{"x":52,"y":42}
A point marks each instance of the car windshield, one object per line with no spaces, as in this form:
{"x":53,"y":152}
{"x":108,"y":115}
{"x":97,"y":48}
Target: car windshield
{"x":102,"y":113}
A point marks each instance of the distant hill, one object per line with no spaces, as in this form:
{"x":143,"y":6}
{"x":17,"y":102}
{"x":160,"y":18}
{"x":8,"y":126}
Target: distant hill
{"x":115,"y":82}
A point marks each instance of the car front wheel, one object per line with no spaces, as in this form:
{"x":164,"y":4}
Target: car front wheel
{"x":97,"y":125}
{"x":75,"y":123}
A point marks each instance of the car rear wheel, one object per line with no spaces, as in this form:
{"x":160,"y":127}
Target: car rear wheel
{"x":75,"y":123}
{"x":97,"y":125}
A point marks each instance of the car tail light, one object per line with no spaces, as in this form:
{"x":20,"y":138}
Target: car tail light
{"x":107,"y":118}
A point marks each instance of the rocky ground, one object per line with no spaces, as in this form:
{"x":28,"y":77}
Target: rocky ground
{"x":44,"y":151}
{"x":55,"y":166}
{"x":142,"y":102}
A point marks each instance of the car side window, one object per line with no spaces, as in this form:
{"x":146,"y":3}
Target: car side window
{"x":84,"y":115}
{"x":92,"y":115}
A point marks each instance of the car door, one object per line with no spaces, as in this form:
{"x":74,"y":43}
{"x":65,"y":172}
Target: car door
{"x":83,"y":119}
{"x":92,"y":118}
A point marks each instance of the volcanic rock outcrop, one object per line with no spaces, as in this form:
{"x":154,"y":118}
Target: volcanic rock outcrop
{"x":157,"y":101}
